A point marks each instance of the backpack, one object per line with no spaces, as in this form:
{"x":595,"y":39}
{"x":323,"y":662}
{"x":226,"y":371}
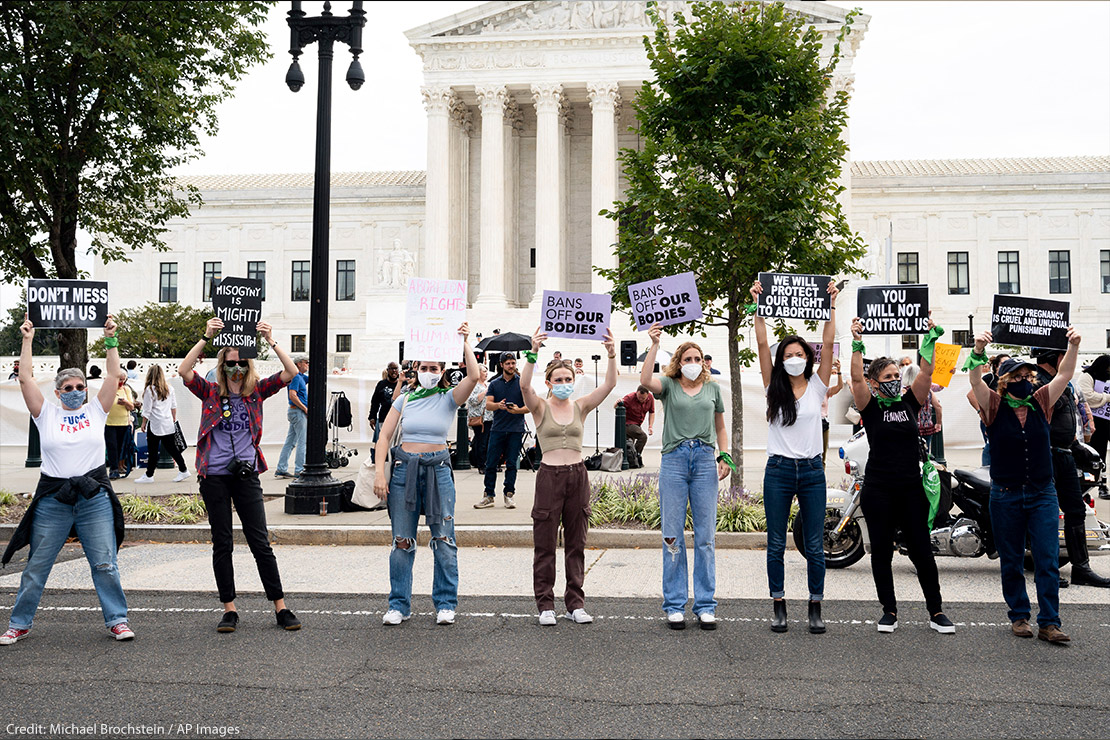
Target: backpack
{"x":633,"y":457}
{"x":341,"y":412}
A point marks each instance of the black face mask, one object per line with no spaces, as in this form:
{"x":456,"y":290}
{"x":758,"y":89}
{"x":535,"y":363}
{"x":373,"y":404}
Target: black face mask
{"x":1020,"y":389}
{"x":891,"y":388}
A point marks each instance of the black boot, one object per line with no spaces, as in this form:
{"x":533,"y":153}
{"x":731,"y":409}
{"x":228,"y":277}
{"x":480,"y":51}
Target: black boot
{"x":816,"y":624}
{"x":1075,"y":537}
{"x":778,"y":624}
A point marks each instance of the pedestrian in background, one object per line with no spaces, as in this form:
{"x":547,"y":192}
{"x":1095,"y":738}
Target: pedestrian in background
{"x":638,"y":405}
{"x":297,"y":435}
{"x":118,"y":425}
{"x":381,"y":401}
{"x":505,"y":400}
{"x":479,"y":418}
{"x":1098,"y":370}
{"x":160,"y":423}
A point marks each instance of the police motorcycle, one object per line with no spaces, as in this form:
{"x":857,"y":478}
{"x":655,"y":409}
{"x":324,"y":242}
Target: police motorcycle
{"x":966,"y":533}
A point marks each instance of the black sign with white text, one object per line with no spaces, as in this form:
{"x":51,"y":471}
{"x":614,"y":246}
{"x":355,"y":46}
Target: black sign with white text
{"x":789,"y":296}
{"x":67,"y":304}
{"x":893,"y":309}
{"x":1030,"y":322}
{"x":238,"y":303}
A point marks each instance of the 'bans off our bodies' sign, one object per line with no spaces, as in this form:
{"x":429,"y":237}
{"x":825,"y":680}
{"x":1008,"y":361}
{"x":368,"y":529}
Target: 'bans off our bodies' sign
{"x":575,"y":315}
{"x":67,"y":304}
{"x":667,"y":300}
{"x":893,"y":309}
{"x":433,"y":314}
{"x":789,"y":296}
{"x":238,"y":303}
{"x":1030,"y":322}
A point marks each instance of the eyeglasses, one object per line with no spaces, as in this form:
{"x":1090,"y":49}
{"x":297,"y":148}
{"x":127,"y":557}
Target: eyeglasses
{"x":239,"y":363}
{"x":71,"y":388}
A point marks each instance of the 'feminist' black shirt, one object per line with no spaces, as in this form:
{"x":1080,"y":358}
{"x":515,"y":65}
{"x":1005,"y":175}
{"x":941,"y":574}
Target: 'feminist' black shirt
{"x":892,"y":437}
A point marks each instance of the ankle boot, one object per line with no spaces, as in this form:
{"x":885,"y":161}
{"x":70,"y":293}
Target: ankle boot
{"x":778,"y":623}
{"x":1075,"y":537}
{"x":816,"y":624}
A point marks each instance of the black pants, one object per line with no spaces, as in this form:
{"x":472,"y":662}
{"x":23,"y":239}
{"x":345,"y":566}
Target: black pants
{"x":1066,"y":478}
{"x":218,"y":492}
{"x":900,"y":503}
{"x":478,"y":446}
{"x":114,"y":438}
{"x":153,"y":443}
{"x":635,"y":432}
{"x":1101,"y":436}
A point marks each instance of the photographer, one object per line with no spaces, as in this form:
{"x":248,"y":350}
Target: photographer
{"x":229,"y":461}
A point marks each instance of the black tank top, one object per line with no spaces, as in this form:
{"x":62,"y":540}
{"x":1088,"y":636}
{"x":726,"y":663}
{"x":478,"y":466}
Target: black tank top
{"x":892,"y":437}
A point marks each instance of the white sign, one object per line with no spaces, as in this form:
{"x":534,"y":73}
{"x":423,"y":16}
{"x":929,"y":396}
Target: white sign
{"x":433,"y":314}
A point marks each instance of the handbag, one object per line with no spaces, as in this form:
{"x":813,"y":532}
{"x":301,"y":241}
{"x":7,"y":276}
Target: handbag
{"x":179,"y":437}
{"x":612,"y":459}
{"x":474,"y":421}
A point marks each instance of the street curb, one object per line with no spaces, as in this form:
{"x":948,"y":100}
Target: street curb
{"x":466,"y":535}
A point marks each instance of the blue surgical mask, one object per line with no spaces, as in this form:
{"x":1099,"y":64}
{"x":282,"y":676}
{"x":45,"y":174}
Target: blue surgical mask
{"x":73,"y":399}
{"x":563,"y":391}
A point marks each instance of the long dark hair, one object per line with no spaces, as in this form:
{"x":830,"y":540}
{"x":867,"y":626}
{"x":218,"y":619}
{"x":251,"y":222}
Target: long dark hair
{"x":781,"y":403}
{"x":1100,"y":368}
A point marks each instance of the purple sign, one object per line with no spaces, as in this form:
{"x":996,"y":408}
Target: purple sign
{"x":817,"y":350}
{"x":667,"y":300}
{"x":575,"y":315}
{"x":1103,"y":411}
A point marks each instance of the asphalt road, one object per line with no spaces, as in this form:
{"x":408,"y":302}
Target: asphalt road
{"x":497,"y":674}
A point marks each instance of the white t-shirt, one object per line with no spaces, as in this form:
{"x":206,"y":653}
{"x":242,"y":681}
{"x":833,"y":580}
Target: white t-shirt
{"x":72,"y":441}
{"x":801,"y":440}
{"x":158,"y":412}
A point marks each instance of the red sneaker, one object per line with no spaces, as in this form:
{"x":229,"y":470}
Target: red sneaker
{"x":122,"y":631}
{"x":13,"y":635}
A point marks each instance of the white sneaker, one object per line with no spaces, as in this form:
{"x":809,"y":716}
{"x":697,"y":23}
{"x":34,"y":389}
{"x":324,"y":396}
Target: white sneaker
{"x":445,"y":616}
{"x":509,"y":503}
{"x":181,"y":476}
{"x":547,"y":618}
{"x":676,"y":620}
{"x":394,"y":617}
{"x":579,"y":616}
{"x":144,"y":479}
{"x":707,"y":620}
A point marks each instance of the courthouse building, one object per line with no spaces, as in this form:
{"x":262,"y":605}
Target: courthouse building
{"x":528,"y":104}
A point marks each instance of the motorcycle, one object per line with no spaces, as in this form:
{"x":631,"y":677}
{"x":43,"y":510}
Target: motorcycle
{"x":964,"y":534}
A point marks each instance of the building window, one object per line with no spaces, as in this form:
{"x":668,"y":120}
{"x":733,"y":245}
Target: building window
{"x":1104,"y":261}
{"x":342,"y":342}
{"x":213,"y":271}
{"x":301,"y":277}
{"x":907,"y":268}
{"x":257,"y":271}
{"x":1009,"y":281}
{"x":344,"y":280}
{"x":1059,"y":271}
{"x":962,"y":337}
{"x":1108,"y":338}
{"x":958,"y":281}
{"x":167,"y":282}
{"x":296,"y":343}
{"x":909,"y":341}
{"x":532,"y":257}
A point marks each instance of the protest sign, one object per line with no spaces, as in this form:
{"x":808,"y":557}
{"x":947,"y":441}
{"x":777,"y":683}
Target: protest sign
{"x":67,"y":304}
{"x":1103,"y":411}
{"x":668,"y":300}
{"x":238,"y":303}
{"x":893,"y":309}
{"x":789,"y":296}
{"x":1030,"y":322}
{"x":433,"y":313}
{"x":818,"y":346}
{"x":945,"y":357}
{"x":575,"y":315}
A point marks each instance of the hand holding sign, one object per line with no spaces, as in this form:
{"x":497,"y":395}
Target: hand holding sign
{"x":654,"y":333}
{"x":609,"y":343}
{"x":27,"y":329}
{"x":213,"y":327}
{"x":266,"y":331}
{"x":110,"y":326}
{"x":538,"y":339}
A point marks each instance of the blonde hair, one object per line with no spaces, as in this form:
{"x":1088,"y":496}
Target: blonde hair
{"x":674,"y":367}
{"x":156,"y":381}
{"x":250,"y":380}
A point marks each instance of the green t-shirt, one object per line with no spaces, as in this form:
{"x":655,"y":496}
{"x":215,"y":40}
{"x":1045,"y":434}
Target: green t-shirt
{"x":689,"y":417}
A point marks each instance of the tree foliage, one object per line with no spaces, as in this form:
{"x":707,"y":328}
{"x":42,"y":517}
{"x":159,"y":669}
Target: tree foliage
{"x":739,"y":166}
{"x":163,"y":330}
{"x":11,"y":339}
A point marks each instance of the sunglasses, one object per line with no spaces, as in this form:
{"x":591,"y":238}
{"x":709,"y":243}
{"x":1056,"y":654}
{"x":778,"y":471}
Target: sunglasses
{"x":71,"y":388}
{"x":240,"y":363}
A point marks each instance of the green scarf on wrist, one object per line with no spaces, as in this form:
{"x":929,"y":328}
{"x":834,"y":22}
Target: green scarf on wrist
{"x":975,"y":360}
{"x":929,"y":341}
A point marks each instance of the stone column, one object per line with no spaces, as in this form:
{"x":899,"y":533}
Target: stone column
{"x":438,"y":102}
{"x":550,"y":227}
{"x":491,"y":101}
{"x":604,"y":98}
{"x":459,"y":190}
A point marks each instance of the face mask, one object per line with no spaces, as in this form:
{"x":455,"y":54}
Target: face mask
{"x":428,"y":380}
{"x":794,"y":365}
{"x":1020,"y":389}
{"x":692,"y":371}
{"x":236,"y":372}
{"x":891,"y":388}
{"x":73,"y":399}
{"x":562,"y":391}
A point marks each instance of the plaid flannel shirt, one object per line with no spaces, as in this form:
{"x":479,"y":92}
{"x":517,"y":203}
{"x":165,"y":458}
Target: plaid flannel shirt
{"x":209,"y":395}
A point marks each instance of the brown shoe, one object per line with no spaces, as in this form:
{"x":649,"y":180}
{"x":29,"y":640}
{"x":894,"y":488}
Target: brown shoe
{"x":1052,"y":633}
{"x":1021,"y":628}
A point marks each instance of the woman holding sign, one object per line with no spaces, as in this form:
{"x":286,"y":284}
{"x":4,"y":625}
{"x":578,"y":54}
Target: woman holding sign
{"x":229,"y":460}
{"x":562,"y":487}
{"x":73,"y":490}
{"x":693,"y":419}
{"x":795,"y":393}
{"x":419,"y":480}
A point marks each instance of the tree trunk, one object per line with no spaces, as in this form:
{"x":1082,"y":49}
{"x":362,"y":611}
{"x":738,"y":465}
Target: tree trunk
{"x":73,"y":344}
{"x":736,"y":434}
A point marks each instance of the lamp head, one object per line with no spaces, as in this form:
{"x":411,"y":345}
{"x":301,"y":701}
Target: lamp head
{"x":355,"y":75}
{"x":294,"y":78}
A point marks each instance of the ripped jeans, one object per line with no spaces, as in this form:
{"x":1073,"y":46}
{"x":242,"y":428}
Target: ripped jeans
{"x":688,"y":475}
{"x":402,"y":553}
{"x":96,"y":530}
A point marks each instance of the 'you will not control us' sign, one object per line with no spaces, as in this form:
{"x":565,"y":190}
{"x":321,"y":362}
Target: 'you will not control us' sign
{"x":893,"y":309}
{"x":67,"y":304}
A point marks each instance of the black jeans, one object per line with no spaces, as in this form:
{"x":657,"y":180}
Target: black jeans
{"x":114,"y":437}
{"x":1066,"y":477}
{"x":892,"y":503}
{"x":507,"y":445}
{"x":218,"y":492}
{"x":153,"y":443}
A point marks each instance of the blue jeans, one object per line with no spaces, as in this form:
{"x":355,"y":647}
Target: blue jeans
{"x":295,"y":437}
{"x":985,"y":460}
{"x":507,"y":444}
{"x":402,"y":553}
{"x":784,"y":479}
{"x":96,"y":530}
{"x":688,"y":475}
{"x":1015,"y":512}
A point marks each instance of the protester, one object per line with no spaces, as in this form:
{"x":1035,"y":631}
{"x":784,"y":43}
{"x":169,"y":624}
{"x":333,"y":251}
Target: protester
{"x":562,"y":486}
{"x":118,"y":426}
{"x":381,"y":401}
{"x":1023,"y":501}
{"x":557,"y":357}
{"x":15,"y":371}
{"x":229,"y":460}
{"x":578,"y":369}
{"x":693,"y":419}
{"x":94,"y":372}
{"x":637,"y":405}
{"x":420,"y":481}
{"x":825,"y":409}
{"x":479,"y":418}
{"x":795,"y":393}
{"x":893,"y":497}
{"x":132,"y":370}
{"x":505,"y":400}
{"x":73,"y":491}
{"x":297,"y":435}
{"x":160,"y":423}
{"x":1098,"y":370}
{"x":708,"y":360}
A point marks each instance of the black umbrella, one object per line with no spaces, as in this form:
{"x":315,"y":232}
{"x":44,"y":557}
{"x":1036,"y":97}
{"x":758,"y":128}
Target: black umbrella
{"x":507,"y":342}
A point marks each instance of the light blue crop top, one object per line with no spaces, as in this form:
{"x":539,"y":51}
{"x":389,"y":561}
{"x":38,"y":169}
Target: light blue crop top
{"x":427,"y":420}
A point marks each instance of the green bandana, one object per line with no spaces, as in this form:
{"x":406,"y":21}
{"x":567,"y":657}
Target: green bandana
{"x":751,"y":308}
{"x":419,"y":393}
{"x":1015,"y":402}
{"x":973,"y":361}
{"x":857,"y":346}
{"x":531,"y":356}
{"x":928,"y":342}
{"x":886,"y":403}
{"x":727,"y":458}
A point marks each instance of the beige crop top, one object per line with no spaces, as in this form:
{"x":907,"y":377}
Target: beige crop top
{"x":552,"y":435}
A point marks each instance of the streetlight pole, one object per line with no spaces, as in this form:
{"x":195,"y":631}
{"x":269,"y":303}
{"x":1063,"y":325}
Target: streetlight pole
{"x":315,"y":488}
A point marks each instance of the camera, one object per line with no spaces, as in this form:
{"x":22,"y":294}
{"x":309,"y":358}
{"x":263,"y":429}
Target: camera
{"x":240,"y":468}
{"x":595,"y":358}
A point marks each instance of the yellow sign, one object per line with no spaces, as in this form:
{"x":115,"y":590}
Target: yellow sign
{"x":944,"y":363}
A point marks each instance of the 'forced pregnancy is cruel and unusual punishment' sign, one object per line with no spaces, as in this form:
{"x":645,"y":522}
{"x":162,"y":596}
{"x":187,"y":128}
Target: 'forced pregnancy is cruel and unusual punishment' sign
{"x":433,"y":314}
{"x":575,"y":315}
{"x":238,"y":303}
{"x":1030,"y":322}
{"x":67,"y":304}
{"x":666,"y":301}
{"x":893,"y":309}
{"x":788,"y":296}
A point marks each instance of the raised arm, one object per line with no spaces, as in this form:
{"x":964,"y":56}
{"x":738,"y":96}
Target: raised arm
{"x":185,"y":369}
{"x":828,"y":336}
{"x":924,"y":380}
{"x":288,"y":369}
{"x":531,"y":400}
{"x":647,"y":377}
{"x":839,"y":380}
{"x":761,"y":345}
{"x":975,"y":375}
{"x":466,"y":385}
{"x":1064,"y":371}
{"x":861,"y":393}
{"x":114,"y":373}
{"x":595,"y":397}
{"x":32,"y":396}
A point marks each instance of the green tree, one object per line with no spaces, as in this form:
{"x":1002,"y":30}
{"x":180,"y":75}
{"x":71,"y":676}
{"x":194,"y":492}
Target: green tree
{"x":101,"y":101}
{"x":739,"y":166}
{"x":163,"y":330}
{"x":11,"y":339}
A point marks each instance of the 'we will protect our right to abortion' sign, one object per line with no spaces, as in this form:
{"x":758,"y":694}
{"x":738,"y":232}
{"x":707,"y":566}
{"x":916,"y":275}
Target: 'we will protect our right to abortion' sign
{"x":789,"y":296}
